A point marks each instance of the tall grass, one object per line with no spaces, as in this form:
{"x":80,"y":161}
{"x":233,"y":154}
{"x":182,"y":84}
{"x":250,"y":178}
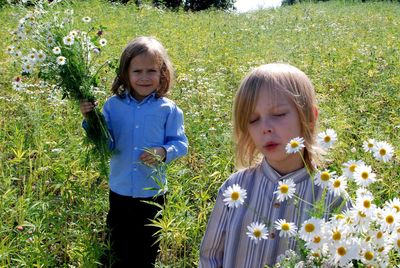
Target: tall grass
{"x":53,"y":205}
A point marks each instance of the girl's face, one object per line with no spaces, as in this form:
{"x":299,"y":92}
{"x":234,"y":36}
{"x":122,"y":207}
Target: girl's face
{"x":144,"y":75}
{"x":273,"y":123}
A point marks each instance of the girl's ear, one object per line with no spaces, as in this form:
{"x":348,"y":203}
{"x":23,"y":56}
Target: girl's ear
{"x":315,"y":113}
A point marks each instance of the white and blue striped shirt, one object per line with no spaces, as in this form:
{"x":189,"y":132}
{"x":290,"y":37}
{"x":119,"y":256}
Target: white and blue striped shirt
{"x":225,"y":243}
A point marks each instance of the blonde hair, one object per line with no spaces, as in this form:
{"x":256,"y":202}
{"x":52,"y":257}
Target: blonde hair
{"x":277,"y":78}
{"x":140,"y":45}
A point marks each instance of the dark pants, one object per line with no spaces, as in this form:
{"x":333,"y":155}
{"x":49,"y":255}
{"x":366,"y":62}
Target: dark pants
{"x":133,"y":244}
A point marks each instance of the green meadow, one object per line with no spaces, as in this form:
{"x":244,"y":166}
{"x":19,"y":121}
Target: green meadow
{"x":53,"y":198}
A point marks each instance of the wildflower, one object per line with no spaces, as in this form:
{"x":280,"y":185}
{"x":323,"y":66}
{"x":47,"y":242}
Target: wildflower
{"x":50,"y":41}
{"x":102,"y":42}
{"x":41,"y":56}
{"x":27,"y":68}
{"x":316,"y":242}
{"x":61,"y":60}
{"x":336,"y":233}
{"x":338,"y":186}
{"x":295,"y":145}
{"x":323,"y":178}
{"x":327,"y":138}
{"x":235,"y":196}
{"x":86,"y":19}
{"x":395,"y":203}
{"x":396,"y":242}
{"x":364,"y":176}
{"x":285,"y":190}
{"x":257,"y":231}
{"x":383,"y":151}
{"x":57,"y":50}
{"x":369,"y":145}
{"x":389,"y":219}
{"x":350,"y":167}
{"x":68,"y":40}
{"x":287,"y":229}
{"x":32,"y":57}
{"x":311,"y":228}
{"x":344,"y":252}
{"x":10,"y":50}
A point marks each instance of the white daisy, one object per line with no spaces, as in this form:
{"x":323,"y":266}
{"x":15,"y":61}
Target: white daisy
{"x":364,"y":203}
{"x":50,"y":41}
{"x":323,"y":178}
{"x":69,"y":40}
{"x":327,"y":138}
{"x":86,"y":19}
{"x":295,"y":145}
{"x":383,"y":151}
{"x":345,"y":252}
{"x":396,"y":242}
{"x":10,"y":50}
{"x":32,"y":57}
{"x":103,"y":42}
{"x":394,"y":203}
{"x":287,"y":229}
{"x":234,"y":196}
{"x":74,"y":33}
{"x":389,"y":219}
{"x":27,"y":68}
{"x":316,"y":243}
{"x":368,"y":254}
{"x":257,"y":231}
{"x":350,"y":167}
{"x":336,"y":233}
{"x":41,"y":56}
{"x":338,"y":186}
{"x":364,"y":176}
{"x":57,"y":50}
{"x":311,"y":228}
{"x":369,"y":145}
{"x":61,"y":60}
{"x":360,"y":220}
{"x":285,"y":190}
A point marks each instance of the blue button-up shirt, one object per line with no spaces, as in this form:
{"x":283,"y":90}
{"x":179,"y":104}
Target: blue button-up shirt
{"x":134,"y":127}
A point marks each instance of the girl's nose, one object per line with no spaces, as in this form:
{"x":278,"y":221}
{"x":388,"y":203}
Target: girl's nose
{"x":267,"y":128}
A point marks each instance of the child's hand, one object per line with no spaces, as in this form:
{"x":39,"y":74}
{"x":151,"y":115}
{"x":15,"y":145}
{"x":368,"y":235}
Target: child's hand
{"x":153,"y":156}
{"x":86,"y":107}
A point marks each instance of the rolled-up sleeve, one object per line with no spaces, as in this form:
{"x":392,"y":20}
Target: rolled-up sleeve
{"x":176,"y":144}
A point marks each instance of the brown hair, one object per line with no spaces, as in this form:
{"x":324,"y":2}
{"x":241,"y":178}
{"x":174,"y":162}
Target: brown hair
{"x":140,"y":45}
{"x":277,"y":78}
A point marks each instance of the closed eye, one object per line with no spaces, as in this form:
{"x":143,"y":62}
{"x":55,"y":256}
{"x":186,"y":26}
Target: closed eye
{"x":253,"y":120}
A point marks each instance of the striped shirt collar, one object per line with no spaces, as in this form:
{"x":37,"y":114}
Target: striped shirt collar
{"x":272,"y":175}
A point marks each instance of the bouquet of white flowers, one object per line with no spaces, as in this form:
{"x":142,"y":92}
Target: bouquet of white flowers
{"x":53,"y":53}
{"x":364,"y":235}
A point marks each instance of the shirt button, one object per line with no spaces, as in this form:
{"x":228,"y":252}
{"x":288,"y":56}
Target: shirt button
{"x":135,"y":169}
{"x":272,"y":235}
{"x":277,"y":205}
{"x":138,"y":107}
{"x":137,"y":126}
{"x":135,"y":148}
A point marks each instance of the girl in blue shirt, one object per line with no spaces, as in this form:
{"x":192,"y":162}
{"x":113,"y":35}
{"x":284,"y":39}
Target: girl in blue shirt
{"x":146,"y":129}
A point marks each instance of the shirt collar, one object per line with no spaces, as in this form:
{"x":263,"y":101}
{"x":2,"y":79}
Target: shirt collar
{"x":271,"y":174}
{"x":129,"y":98}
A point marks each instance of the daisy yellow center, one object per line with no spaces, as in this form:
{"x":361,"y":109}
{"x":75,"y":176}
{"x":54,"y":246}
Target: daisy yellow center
{"x":336,"y":184}
{"x":362,"y":215}
{"x":382,"y":152}
{"x":369,"y":255}
{"x":381,"y":249}
{"x":325,"y":176}
{"x":309,"y":227}
{"x":340,"y":216}
{"x":40,"y":56}
{"x":368,"y":239}
{"x":379,"y":235}
{"x":327,"y":139}
{"x":367,"y":203}
{"x":235,"y":196}
{"x":398,"y":243}
{"x":352,"y":167}
{"x":370,"y":145}
{"x":284,"y":188}
{"x":317,"y":239}
{"x":341,"y":251}
{"x":397,"y":208}
{"x":257,"y":233}
{"x":286,"y":227}
{"x":336,"y":236}
{"x":389,"y":219}
{"x":315,"y":254}
{"x":364,"y":175}
{"x":294,"y":144}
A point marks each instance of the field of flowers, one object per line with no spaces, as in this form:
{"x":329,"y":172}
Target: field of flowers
{"x":53,"y":196}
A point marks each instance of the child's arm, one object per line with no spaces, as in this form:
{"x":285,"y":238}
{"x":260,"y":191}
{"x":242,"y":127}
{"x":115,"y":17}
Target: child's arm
{"x":212,"y":245}
{"x":176,"y":144}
